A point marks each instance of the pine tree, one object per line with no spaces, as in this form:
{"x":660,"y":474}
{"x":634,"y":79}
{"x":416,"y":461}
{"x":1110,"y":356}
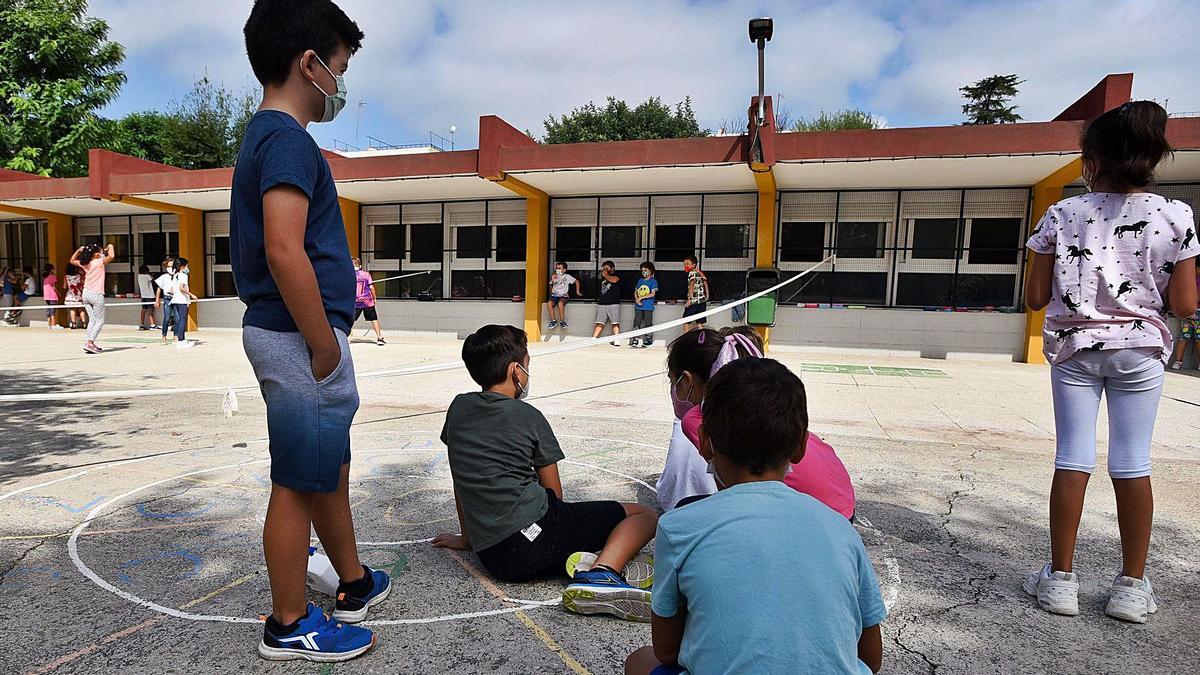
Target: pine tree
{"x":988,"y":100}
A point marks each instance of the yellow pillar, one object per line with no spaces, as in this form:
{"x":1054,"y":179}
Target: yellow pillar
{"x":191,"y":244}
{"x":1045,"y":193}
{"x":350,"y":220}
{"x":537,"y":251}
{"x":764,"y":250}
{"x":60,"y":239}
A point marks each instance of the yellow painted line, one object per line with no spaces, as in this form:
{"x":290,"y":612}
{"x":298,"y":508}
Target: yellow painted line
{"x":96,"y":646}
{"x":233,"y":584}
{"x":570,"y":661}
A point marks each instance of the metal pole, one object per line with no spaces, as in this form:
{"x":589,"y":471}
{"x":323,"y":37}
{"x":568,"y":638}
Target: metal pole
{"x":761,"y":84}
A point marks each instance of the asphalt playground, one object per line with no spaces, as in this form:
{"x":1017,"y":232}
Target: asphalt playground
{"x":130,"y":527}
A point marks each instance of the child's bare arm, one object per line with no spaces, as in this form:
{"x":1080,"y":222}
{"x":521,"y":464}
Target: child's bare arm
{"x":870,"y":648}
{"x":548,"y":478}
{"x":1041,"y":278}
{"x":1181,"y":290}
{"x":459,"y":542}
{"x":667,"y":636}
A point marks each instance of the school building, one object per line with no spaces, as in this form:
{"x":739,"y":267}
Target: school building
{"x":927,"y":225}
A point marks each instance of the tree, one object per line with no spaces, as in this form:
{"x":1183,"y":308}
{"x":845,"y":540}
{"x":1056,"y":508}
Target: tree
{"x":204,"y":130}
{"x":57,"y":68}
{"x":988,"y":99}
{"x":840,"y":120}
{"x":616,"y":121}
{"x":141,"y":134}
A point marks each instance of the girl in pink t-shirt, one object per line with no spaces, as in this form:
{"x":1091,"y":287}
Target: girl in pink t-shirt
{"x":50,"y":294}
{"x":693,"y":359}
{"x":1107,"y":266}
{"x":92,"y":259}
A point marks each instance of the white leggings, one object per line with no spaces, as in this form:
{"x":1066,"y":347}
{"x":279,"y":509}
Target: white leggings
{"x":1132,"y":380}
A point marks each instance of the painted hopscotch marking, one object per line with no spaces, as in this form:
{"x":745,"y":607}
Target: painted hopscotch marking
{"x":883,"y":371}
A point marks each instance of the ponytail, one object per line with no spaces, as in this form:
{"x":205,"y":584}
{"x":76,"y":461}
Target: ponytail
{"x":1127,"y":143}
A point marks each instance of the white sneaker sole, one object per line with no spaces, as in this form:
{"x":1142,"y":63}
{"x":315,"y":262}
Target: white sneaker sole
{"x":630,"y":604}
{"x":637,"y":573}
{"x":284,"y":654}
{"x":1056,"y":598}
{"x":347,"y":616}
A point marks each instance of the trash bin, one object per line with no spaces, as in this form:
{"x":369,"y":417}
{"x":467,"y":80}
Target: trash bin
{"x":761,"y":311}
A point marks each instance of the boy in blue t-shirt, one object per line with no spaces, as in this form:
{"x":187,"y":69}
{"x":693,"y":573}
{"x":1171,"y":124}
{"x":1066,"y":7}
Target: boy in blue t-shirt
{"x":644,"y":294}
{"x":291,"y":265}
{"x":806,"y":597}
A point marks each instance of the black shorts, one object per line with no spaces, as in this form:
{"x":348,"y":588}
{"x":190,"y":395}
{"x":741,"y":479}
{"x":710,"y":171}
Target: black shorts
{"x":697,"y":308}
{"x":368,"y":312}
{"x":566,"y":528}
{"x":147,"y":303}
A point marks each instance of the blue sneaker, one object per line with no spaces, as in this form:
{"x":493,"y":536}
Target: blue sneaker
{"x":601,"y":591}
{"x":351,"y":607}
{"x":552,"y":325}
{"x":316,"y":638}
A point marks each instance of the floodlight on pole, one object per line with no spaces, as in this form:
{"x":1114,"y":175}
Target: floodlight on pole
{"x":452,"y":130}
{"x":761,"y":30}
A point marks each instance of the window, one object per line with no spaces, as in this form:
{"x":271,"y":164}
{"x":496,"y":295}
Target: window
{"x":860,"y":240}
{"x":726,"y":241}
{"x":221,"y":250}
{"x":802,"y":242}
{"x":223,"y":284}
{"x":120,"y":244}
{"x":574,"y":244}
{"x":935,"y":238}
{"x":995,"y":241}
{"x":855,"y":288}
{"x":389,"y":242}
{"x":985,"y":290}
{"x":472,"y":242}
{"x":426,"y":243}
{"x":156,"y":246}
{"x":510,"y":243}
{"x":673,"y":242}
{"x":925,"y":290}
{"x":619,"y":242}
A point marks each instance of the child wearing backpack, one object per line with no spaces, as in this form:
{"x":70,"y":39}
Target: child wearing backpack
{"x":1107,"y":266}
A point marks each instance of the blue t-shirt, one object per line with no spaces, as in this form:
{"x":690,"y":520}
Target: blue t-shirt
{"x":803,"y":590}
{"x":641,"y":293}
{"x":276,"y":150}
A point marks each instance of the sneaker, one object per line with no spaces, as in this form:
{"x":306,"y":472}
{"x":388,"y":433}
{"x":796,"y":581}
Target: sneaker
{"x":1057,"y":592}
{"x":615,"y":343}
{"x":56,"y":327}
{"x":637,"y":573}
{"x":562,"y":324}
{"x":604,"y":592}
{"x":634,"y":343}
{"x":380,"y":341}
{"x":184,"y":344}
{"x":92,"y":349}
{"x":552,"y":325}
{"x":353,"y":608}
{"x":155,"y":327}
{"x":143,"y":328}
{"x":1178,"y":365}
{"x":1131,"y":599}
{"x":316,"y":638}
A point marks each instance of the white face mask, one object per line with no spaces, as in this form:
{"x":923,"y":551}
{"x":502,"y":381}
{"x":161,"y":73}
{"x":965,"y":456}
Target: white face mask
{"x":712,"y":471}
{"x":333,"y":102}
{"x":524,"y":391}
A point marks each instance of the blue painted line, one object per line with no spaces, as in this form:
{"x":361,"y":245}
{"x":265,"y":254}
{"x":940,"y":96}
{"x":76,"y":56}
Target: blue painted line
{"x":66,"y":507}
{"x":141,"y":508}
{"x":434,"y":463}
{"x":189,"y":556}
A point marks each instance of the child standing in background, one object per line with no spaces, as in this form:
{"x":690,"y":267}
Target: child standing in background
{"x":1189,"y":333}
{"x":1108,"y":264}
{"x":146,"y":292}
{"x":92,"y":259}
{"x":50,"y":294}
{"x":181,"y":299}
{"x":73,"y":285}
{"x":644,"y":294}
{"x":560,"y":292}
{"x":697,"y":293}
{"x":364,"y":300}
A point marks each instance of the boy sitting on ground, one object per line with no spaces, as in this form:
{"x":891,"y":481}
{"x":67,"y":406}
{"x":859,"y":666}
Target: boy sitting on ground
{"x":772,"y":538}
{"x":504,"y":463}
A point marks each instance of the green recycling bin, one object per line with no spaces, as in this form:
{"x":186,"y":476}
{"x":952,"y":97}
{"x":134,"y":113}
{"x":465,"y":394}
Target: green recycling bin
{"x":761,"y":311}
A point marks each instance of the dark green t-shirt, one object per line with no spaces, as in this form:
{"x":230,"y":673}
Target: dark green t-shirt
{"x":494,"y":444}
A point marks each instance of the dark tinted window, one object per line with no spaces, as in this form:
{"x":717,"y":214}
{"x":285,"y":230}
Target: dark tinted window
{"x":510,"y":243}
{"x":389,"y":242}
{"x":473,"y":242}
{"x":995,"y":241}
{"x":935,"y":238}
{"x":673,"y":242}
{"x":426,"y":243}
{"x":860,"y":240}
{"x":574,"y":244}
{"x":802,"y":242}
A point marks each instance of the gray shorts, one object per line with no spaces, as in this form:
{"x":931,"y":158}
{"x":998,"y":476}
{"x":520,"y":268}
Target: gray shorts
{"x":308,"y":422}
{"x":608,"y":313}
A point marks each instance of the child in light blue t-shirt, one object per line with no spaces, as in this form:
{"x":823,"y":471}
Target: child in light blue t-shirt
{"x":644,"y":293}
{"x":806,"y":598}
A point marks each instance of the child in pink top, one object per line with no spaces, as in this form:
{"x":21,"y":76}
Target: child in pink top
{"x":92,"y":259}
{"x":819,"y":474}
{"x":364,"y":299}
{"x":50,"y":294}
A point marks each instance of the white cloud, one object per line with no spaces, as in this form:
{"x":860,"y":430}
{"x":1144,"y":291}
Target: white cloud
{"x":427,"y":65}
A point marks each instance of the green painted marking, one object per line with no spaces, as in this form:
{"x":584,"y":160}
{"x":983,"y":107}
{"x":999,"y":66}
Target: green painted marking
{"x":326,"y":669}
{"x":399,"y":564}
{"x":883,"y":371}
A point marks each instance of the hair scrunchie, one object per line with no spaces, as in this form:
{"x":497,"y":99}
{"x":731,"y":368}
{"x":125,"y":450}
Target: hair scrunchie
{"x":729,"y":351}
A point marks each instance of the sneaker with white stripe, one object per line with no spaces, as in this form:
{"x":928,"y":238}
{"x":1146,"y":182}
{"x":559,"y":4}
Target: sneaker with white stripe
{"x":1131,"y":599}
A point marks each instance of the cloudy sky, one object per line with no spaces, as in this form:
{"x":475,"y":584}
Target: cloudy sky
{"x":429,"y":65}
